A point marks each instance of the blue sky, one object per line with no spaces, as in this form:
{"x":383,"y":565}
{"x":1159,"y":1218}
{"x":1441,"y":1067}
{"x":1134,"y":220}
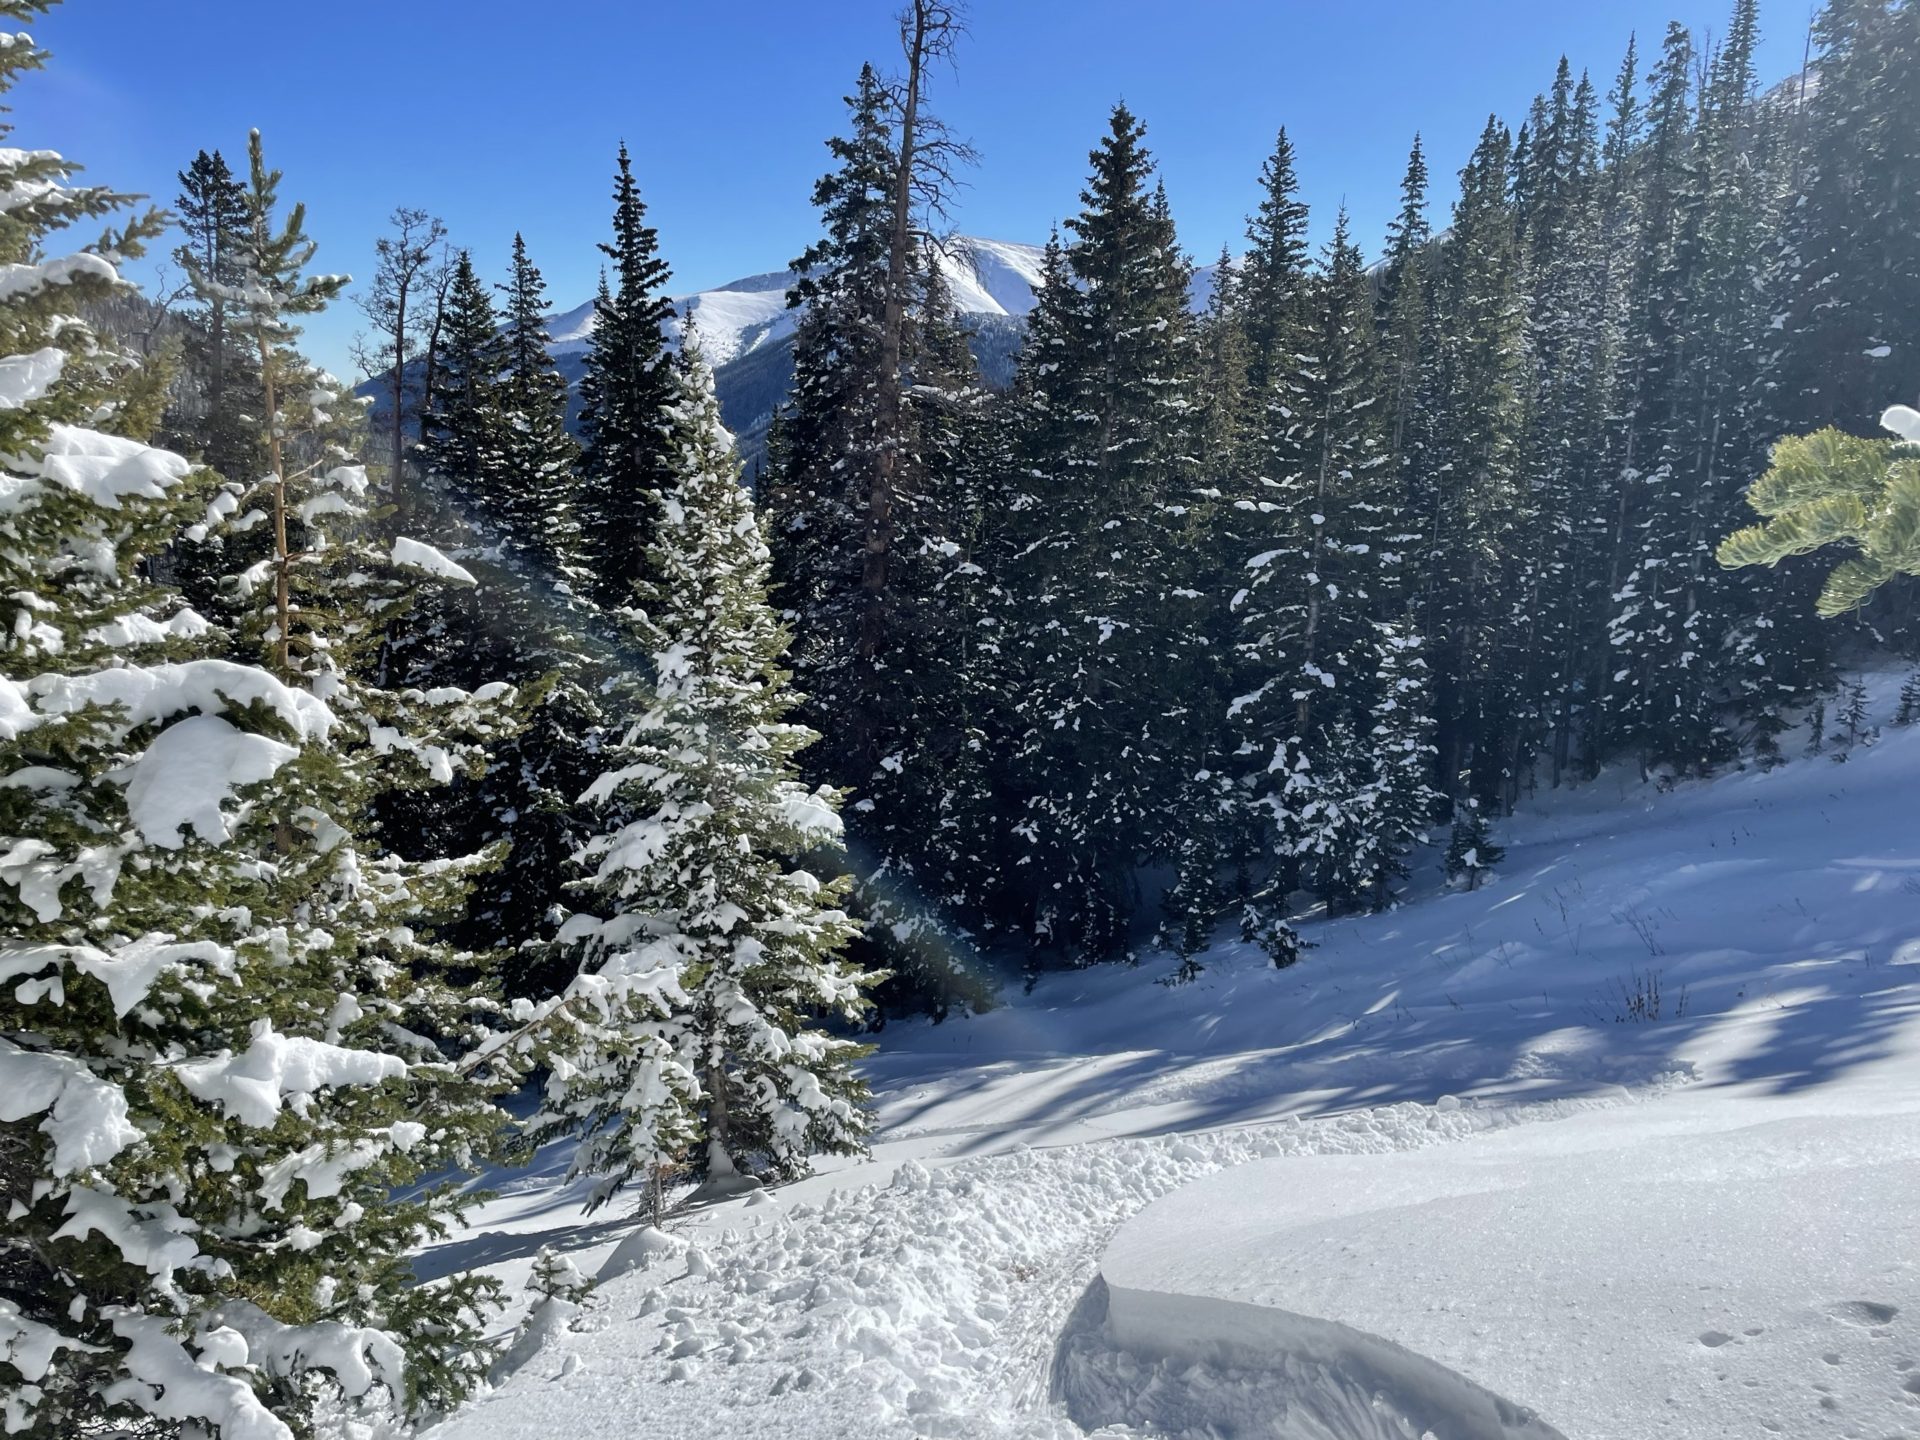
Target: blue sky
{"x":501,"y":117}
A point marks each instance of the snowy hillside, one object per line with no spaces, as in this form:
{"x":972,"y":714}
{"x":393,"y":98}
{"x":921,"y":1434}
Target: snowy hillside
{"x":1626,"y":1143}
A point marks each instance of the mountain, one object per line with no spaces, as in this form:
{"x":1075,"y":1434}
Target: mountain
{"x":746,"y":329}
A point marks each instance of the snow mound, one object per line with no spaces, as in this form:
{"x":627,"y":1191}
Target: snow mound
{"x":1740,"y":1276}
{"x":1207,"y":1367}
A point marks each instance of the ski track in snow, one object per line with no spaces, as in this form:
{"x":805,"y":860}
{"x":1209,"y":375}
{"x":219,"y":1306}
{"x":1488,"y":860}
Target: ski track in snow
{"x":928,"y":1289}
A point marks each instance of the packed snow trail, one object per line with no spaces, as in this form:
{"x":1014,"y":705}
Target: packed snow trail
{"x":926,"y":1290}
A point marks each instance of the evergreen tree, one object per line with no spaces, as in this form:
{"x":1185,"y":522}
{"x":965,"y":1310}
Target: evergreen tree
{"x":209,"y":1123}
{"x":876,"y":511}
{"x":1850,"y":327}
{"x":1101,"y":620}
{"x":1909,"y":710}
{"x":626,"y":384}
{"x":214,"y":425}
{"x":463,"y":430}
{"x":1470,"y":848}
{"x":1467,"y":481}
{"x":1401,"y":308}
{"x":536,"y":454}
{"x":691,"y":1023}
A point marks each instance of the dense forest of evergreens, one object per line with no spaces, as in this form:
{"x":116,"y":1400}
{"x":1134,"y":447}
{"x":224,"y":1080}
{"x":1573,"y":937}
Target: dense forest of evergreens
{"x":357,"y":775}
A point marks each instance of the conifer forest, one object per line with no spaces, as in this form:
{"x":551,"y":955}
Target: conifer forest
{"x":630,"y":768}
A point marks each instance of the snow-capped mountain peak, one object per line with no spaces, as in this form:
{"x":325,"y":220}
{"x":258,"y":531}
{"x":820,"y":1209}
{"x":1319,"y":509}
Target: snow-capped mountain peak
{"x":986,"y":277}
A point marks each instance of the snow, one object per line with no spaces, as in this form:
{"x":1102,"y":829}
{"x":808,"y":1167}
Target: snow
{"x":190,"y":772}
{"x":105,"y":469}
{"x":163,"y":1381}
{"x":418,"y":555}
{"x":27,"y":378}
{"x":1451,"y":1179}
{"x":136,"y":629}
{"x":1904,"y":421}
{"x":253,"y":1085}
{"x":986,"y":277}
{"x":86,"y":1116}
{"x":129,"y":971}
{"x":152,"y":693}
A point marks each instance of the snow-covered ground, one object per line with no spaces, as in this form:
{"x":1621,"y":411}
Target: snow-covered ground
{"x":1436,"y":1177}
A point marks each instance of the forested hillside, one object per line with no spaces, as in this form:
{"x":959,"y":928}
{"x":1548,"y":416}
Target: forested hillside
{"x":385,"y":790}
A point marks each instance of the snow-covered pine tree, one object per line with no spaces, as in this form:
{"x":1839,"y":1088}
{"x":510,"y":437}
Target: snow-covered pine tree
{"x":461,"y":426}
{"x":626,"y":384}
{"x":537,"y":456}
{"x":1466,"y":478}
{"x":1570,"y":358}
{"x":691,"y":1035}
{"x":1401,"y":310}
{"x":1328,"y":560}
{"x":1909,"y":709}
{"x":1688,"y":641}
{"x":1471,"y":852}
{"x":212,"y":1100}
{"x":875,"y":509}
{"x":1099,"y":613}
{"x":1850,"y":324}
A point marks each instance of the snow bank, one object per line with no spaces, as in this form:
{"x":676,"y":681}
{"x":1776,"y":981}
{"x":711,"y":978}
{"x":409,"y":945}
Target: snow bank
{"x":1740,"y":1277}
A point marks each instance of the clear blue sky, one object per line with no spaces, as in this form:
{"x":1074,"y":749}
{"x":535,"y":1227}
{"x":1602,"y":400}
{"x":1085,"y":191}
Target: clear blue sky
{"x":501,"y":117}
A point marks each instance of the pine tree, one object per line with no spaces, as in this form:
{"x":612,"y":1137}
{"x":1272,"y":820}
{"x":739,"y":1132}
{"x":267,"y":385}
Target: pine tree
{"x":1467,"y":481}
{"x":627,"y":383}
{"x":1850,"y":327}
{"x":1470,"y":848}
{"x":1401,"y":308}
{"x":1909,"y":710}
{"x":1273,"y":284}
{"x":691,"y":1037}
{"x":1100,"y":620}
{"x":209,"y":1123}
{"x":537,"y":455}
{"x":462,"y":429}
{"x":1853,"y":714}
{"x":214,"y":426}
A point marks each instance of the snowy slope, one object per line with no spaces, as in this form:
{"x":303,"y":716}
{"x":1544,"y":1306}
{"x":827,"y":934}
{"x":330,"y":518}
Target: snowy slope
{"x":1467,"y":1050}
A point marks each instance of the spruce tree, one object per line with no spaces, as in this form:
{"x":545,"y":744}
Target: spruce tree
{"x":1100,"y":619}
{"x":1466,"y":485}
{"x":875,"y":508}
{"x":627,"y":383}
{"x":690,"y":1031}
{"x":1850,"y":328}
{"x":462,"y":428}
{"x":214,"y":426}
{"x":210,"y":1126}
{"x":537,"y":456}
{"x":1401,"y":308}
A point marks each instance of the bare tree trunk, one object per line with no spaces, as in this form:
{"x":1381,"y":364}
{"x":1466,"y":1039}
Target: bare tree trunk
{"x":399,"y":380}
